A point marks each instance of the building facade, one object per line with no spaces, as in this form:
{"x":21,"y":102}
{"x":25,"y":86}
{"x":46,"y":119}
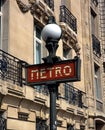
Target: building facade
{"x":80,"y":105}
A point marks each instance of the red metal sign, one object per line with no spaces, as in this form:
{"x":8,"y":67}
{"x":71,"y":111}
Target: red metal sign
{"x":63,"y":71}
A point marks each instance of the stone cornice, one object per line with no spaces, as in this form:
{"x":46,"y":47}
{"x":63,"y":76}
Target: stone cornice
{"x":68,"y":36}
{"x":38,"y":8}
{"x":23,"y":7}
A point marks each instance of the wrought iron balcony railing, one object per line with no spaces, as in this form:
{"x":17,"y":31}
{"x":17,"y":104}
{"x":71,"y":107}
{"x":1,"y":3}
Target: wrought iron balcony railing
{"x":11,"y":71}
{"x":73,"y":95}
{"x":42,"y":89}
{"x":96,"y":45}
{"x":11,"y":68}
{"x":41,"y":124}
{"x":50,"y":3}
{"x":95,"y":2}
{"x":67,"y":17}
{"x":3,"y":123}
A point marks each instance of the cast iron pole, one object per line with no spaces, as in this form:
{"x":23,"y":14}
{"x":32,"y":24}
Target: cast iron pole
{"x":53,"y":90}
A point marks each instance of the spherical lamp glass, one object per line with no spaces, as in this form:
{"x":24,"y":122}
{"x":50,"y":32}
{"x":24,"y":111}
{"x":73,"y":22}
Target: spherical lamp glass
{"x":51,"y":32}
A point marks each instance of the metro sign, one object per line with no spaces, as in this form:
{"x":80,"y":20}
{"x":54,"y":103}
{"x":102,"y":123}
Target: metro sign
{"x":62,"y":71}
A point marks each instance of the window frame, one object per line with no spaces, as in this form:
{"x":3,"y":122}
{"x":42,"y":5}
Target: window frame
{"x":1,"y":24}
{"x":97,"y":82}
{"x":41,"y":124}
{"x":37,"y":40}
{"x":94,"y":24}
{"x":70,"y":127}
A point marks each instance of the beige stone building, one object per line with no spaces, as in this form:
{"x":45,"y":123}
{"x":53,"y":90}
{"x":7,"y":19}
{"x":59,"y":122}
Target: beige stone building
{"x":79,"y":105}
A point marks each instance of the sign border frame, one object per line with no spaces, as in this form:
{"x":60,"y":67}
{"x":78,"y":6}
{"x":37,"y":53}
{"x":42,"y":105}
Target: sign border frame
{"x":77,"y":69}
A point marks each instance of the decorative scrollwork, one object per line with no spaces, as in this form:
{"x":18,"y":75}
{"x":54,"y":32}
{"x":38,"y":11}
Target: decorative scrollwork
{"x":23,"y":7}
{"x":3,"y":66}
{"x":2,"y":123}
{"x":11,"y":68}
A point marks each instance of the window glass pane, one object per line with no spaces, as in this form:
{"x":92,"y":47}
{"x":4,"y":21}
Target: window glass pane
{"x":38,"y":88}
{"x":66,"y":91}
{"x":96,"y":85}
{"x":93,"y":22}
{"x":38,"y":53}
{"x":97,"y":82}
{"x":38,"y":32}
{"x":37,"y":44}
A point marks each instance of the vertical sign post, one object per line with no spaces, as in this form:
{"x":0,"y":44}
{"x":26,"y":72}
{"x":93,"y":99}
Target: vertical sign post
{"x":53,"y":71}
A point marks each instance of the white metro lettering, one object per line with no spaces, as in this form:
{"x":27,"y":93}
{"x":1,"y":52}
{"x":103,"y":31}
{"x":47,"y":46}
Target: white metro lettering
{"x":67,"y":70}
{"x":51,"y":72}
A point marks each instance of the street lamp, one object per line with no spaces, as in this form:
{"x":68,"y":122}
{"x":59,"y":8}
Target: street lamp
{"x":51,"y":34}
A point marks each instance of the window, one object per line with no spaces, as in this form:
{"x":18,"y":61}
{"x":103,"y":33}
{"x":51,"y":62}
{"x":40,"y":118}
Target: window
{"x":70,"y":93}
{"x":37,"y":45}
{"x":70,"y":127}
{"x":0,"y":22}
{"x":95,"y":2}
{"x":2,"y":121}
{"x":97,"y":82}
{"x":41,"y":124}
{"x":37,"y":50}
{"x":66,"y":91}
{"x":94,"y":24}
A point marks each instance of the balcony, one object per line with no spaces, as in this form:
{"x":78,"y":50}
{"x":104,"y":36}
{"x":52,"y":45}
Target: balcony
{"x":68,"y":23}
{"x":11,"y":69}
{"x":50,"y":3}
{"x":67,"y":17}
{"x":42,"y":9}
{"x":3,"y":122}
{"x":42,"y":89}
{"x":68,"y":93}
{"x":72,"y":95}
{"x":96,"y":46}
{"x":95,"y":2}
{"x":41,"y":124}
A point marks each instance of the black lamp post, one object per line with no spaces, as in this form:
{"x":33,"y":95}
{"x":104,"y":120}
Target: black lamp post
{"x":51,"y":34}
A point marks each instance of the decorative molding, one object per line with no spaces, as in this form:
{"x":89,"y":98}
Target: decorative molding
{"x":38,"y":9}
{"x":23,"y":7}
{"x":69,"y":36}
{"x":39,"y":100}
{"x":77,"y":48}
